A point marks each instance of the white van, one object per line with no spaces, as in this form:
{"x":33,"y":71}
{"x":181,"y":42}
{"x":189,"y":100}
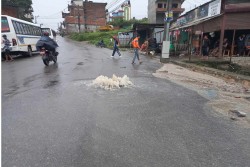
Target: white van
{"x":52,"y":33}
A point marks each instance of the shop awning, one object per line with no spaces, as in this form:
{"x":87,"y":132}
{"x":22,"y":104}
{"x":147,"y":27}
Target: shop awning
{"x":193,"y":23}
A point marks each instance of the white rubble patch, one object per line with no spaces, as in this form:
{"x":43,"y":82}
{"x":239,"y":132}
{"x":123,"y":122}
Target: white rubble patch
{"x":112,"y":83}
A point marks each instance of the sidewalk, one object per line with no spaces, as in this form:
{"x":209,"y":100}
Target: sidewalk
{"x":183,"y":61}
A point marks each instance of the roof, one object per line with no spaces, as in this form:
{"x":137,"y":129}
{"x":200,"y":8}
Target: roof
{"x":196,"y":22}
{"x":143,"y":26}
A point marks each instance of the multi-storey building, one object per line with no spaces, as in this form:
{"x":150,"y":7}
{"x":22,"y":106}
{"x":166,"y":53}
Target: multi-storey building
{"x":158,"y":8}
{"x":124,"y":12}
{"x":84,"y":16}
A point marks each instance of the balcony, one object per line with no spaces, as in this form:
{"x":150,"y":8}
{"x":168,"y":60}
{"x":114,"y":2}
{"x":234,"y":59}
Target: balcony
{"x":178,"y":10}
{"x":176,"y":1}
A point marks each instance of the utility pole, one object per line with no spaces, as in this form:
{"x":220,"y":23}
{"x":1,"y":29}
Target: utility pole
{"x":166,"y":42}
{"x":85,"y":14}
{"x":36,"y":19}
{"x":79,"y":25}
{"x":168,"y":20}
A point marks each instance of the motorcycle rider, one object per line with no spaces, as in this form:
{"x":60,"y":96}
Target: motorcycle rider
{"x":48,"y":43}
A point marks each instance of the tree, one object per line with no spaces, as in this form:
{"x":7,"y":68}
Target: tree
{"x":23,"y":6}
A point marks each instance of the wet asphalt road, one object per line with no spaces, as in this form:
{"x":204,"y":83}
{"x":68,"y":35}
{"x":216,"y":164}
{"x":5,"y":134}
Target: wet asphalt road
{"x":51,"y":117}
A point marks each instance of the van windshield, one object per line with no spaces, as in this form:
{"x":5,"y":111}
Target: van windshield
{"x":5,"y":25}
{"x":46,"y":30}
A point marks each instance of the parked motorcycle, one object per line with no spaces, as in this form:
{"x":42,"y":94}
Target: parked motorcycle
{"x":101,"y":44}
{"x":48,"y":56}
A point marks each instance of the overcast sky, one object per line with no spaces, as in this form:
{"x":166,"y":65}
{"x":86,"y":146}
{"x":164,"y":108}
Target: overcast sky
{"x":48,"y":12}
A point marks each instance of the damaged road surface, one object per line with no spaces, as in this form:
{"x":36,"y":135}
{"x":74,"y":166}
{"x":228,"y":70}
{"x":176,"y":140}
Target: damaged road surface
{"x":51,"y":116}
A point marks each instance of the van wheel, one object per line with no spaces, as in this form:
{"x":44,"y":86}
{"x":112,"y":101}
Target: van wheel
{"x":29,"y":51}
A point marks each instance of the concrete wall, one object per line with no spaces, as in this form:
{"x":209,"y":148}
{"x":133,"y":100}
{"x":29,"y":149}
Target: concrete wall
{"x":151,"y":11}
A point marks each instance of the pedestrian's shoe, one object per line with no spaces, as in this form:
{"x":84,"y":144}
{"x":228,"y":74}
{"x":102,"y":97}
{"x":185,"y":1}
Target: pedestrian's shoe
{"x":120,"y":55}
{"x":56,"y":54}
{"x":133,"y":63}
{"x":112,"y":56}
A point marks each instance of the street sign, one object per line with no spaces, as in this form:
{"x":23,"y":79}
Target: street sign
{"x":168,"y":19}
{"x":168,"y":16}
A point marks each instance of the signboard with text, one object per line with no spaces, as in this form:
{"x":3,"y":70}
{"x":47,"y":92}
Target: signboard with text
{"x":214,"y":8}
{"x":169,"y":16}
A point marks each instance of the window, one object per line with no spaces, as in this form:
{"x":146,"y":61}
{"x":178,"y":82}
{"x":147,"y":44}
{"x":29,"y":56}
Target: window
{"x":46,"y":30}
{"x":5,"y":25}
{"x":159,"y":5}
{"x":33,"y":30}
{"x":175,"y":5}
{"x":19,"y":26}
{"x":38,"y":31}
{"x":15,"y":26}
{"x":25,"y":32}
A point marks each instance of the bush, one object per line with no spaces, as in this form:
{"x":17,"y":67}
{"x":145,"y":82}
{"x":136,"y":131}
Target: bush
{"x":95,"y":37}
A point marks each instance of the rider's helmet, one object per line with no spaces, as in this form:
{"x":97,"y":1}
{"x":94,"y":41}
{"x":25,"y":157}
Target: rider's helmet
{"x":46,"y":33}
{"x":4,"y":36}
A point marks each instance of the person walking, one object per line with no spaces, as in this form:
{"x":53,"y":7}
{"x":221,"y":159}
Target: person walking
{"x":116,"y":48}
{"x":136,"y":46}
{"x":240,"y":45}
{"x":7,"y":48}
{"x":205,"y":47}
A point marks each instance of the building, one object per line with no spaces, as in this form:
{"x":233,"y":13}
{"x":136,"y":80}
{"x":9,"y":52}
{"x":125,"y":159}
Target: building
{"x":158,"y":8}
{"x":217,"y":19}
{"x":17,"y":11}
{"x":124,"y":12}
{"x":117,"y":15}
{"x":126,"y":7}
{"x":84,"y":16}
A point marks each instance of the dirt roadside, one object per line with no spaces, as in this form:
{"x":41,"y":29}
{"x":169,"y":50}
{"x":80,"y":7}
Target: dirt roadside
{"x":224,"y":95}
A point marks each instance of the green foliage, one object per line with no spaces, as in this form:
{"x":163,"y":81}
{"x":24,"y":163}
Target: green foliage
{"x":125,"y":24}
{"x":95,"y":37}
{"x":224,"y":65}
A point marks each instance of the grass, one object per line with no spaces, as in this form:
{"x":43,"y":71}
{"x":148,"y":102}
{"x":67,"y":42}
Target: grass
{"x":95,"y":37}
{"x":224,"y":65}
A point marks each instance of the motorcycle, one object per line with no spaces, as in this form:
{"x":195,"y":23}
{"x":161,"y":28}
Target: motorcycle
{"x":101,"y":44}
{"x":48,"y":56}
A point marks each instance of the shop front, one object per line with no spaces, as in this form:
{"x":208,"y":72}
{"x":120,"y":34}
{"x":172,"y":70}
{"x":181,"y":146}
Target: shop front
{"x":224,"y":29}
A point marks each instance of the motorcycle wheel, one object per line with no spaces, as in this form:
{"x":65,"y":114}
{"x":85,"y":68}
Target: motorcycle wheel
{"x":45,"y":60}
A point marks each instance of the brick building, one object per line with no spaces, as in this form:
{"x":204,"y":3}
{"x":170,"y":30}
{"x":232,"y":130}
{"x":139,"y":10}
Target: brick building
{"x":84,"y":16}
{"x":16,"y":11}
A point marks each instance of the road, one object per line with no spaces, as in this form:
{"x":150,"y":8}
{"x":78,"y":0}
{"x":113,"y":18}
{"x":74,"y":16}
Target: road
{"x":52,"y":116}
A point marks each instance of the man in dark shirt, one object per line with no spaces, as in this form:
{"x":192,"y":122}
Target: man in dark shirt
{"x":205,"y":46}
{"x":48,"y":43}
